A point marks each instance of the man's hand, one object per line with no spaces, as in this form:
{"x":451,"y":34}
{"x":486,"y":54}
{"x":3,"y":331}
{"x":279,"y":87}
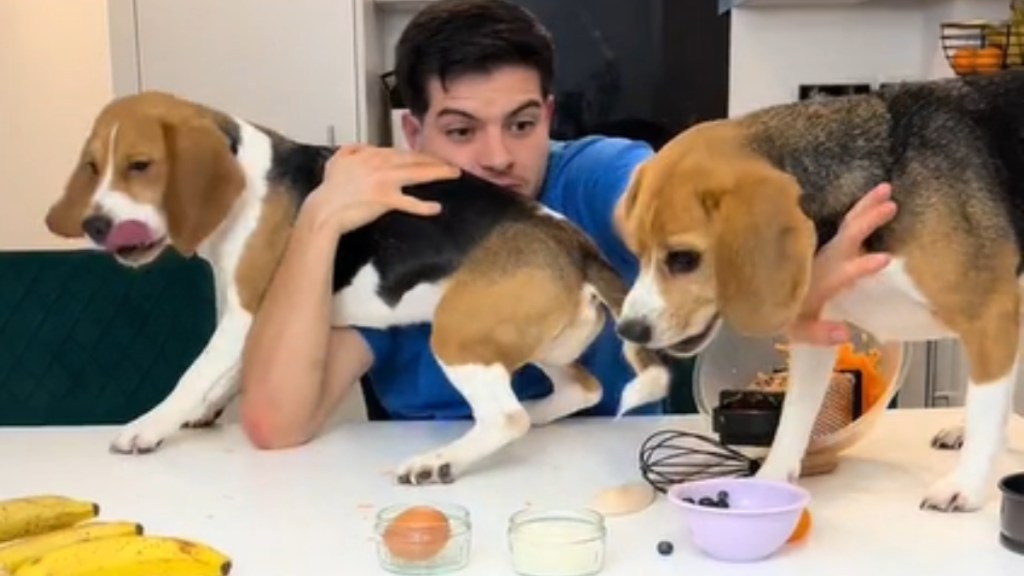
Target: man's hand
{"x":361,"y":183}
{"x":840,"y":264}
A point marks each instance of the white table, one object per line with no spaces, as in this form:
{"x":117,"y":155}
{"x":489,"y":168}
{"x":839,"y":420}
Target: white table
{"x":309,"y":511}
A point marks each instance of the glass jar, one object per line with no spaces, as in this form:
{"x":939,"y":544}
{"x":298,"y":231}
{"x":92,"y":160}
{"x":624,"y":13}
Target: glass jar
{"x":423,"y":539}
{"x":557,"y":542}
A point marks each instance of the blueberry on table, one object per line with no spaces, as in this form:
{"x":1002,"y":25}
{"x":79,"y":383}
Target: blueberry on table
{"x":665,"y":547}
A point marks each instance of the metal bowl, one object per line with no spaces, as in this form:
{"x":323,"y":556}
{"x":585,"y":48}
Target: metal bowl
{"x":733,"y":361}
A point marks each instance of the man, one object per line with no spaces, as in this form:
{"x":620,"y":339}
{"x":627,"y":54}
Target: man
{"x":476,"y":75}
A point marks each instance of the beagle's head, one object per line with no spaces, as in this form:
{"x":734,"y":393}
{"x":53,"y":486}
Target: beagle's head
{"x":155,"y":171}
{"x":720,"y":235}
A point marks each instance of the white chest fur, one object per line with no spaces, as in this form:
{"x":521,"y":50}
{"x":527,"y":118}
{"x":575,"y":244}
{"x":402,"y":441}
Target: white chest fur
{"x":890,"y":306}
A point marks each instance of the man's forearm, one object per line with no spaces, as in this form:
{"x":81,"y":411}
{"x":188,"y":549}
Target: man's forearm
{"x":284,"y":360}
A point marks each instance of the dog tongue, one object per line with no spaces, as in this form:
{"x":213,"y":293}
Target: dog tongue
{"x":129,"y":233}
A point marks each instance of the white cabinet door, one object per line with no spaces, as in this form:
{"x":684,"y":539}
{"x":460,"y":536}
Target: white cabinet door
{"x":287,"y":64}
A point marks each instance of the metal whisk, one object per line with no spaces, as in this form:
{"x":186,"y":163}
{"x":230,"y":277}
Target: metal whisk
{"x":669,"y":457}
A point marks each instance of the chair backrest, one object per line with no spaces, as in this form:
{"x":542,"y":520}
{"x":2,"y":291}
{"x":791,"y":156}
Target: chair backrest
{"x":84,"y":340}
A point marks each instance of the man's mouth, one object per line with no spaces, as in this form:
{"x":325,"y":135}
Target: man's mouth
{"x":691,"y":345}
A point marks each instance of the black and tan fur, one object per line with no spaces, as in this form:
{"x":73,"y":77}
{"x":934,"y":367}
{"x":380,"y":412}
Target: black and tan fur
{"x":728,"y":217}
{"x":505,"y":282}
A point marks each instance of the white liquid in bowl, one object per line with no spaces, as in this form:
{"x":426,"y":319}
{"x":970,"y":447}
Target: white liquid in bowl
{"x":557,"y":544}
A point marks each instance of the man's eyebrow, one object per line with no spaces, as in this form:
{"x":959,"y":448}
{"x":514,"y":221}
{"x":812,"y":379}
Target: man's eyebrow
{"x":455,"y":112}
{"x":528,"y":105}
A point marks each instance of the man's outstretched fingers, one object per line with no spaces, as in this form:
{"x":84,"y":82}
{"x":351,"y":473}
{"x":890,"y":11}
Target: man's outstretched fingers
{"x":862,"y":221}
{"x":414,"y":205}
{"x":421,"y":173}
{"x":877,"y":195}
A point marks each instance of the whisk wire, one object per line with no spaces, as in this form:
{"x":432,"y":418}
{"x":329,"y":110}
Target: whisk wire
{"x":669,"y":457}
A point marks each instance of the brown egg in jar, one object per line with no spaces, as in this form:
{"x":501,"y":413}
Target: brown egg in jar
{"x":417,"y":534}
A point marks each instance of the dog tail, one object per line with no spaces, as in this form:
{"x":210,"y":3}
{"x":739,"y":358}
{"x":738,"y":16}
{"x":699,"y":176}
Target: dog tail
{"x":608,"y":286}
{"x":653,"y":376}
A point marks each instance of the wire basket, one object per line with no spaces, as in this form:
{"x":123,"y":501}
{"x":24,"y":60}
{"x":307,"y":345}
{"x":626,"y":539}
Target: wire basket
{"x":978,"y":48}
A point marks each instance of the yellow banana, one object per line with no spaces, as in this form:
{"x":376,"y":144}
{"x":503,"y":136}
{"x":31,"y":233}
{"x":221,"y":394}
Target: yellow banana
{"x":157,"y":568}
{"x":18,"y":552}
{"x":31,"y":515}
{"x":105,"y":553}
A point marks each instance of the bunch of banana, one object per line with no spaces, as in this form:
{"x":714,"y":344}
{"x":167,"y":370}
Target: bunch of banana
{"x":21,"y":517}
{"x":15,"y":554}
{"x":129,"y":555}
{"x":50,"y":536}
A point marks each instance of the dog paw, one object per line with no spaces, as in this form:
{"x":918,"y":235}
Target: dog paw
{"x":435,"y":468}
{"x":145,"y":434}
{"x":951,"y":438}
{"x":136,"y":441}
{"x":951,"y":495}
{"x":206,"y":420}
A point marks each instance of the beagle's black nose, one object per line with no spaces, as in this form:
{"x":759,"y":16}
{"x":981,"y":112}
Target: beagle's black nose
{"x":635,"y":331}
{"x":97,"y":227}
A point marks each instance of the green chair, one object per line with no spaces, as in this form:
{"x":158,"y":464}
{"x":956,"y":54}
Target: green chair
{"x":84,"y":340}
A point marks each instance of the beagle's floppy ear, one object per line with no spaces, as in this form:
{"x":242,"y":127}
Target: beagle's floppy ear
{"x":626,"y":213}
{"x":65,"y":217}
{"x":764,"y":247}
{"x":203,"y":182}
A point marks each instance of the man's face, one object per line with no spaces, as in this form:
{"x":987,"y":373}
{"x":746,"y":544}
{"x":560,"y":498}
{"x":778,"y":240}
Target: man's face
{"x":494,"y":125}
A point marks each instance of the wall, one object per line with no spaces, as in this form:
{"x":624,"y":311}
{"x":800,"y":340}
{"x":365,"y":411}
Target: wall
{"x":776,"y":49}
{"x":49,"y":91}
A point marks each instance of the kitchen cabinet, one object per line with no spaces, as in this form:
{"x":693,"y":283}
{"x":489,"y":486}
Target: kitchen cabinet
{"x":292,"y":66}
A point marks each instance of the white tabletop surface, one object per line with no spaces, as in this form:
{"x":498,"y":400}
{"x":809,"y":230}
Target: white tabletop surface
{"x":309,"y":511}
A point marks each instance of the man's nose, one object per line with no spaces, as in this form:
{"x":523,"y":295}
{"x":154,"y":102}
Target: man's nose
{"x":496,"y":156}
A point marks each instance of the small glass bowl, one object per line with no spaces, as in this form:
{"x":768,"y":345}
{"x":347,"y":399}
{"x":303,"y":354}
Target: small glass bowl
{"x":424,"y":549}
{"x":557,"y":542}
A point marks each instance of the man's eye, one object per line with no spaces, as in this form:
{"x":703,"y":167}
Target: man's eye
{"x":523,"y":126}
{"x":459,"y":133}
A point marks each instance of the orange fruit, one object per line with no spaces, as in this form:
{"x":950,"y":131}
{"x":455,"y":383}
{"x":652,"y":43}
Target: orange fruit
{"x":988,"y":60}
{"x":802,"y":527}
{"x":963,"y":60}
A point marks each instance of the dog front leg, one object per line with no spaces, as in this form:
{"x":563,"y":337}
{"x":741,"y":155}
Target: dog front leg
{"x":499,"y":419}
{"x":810,"y":372}
{"x":202,"y":392}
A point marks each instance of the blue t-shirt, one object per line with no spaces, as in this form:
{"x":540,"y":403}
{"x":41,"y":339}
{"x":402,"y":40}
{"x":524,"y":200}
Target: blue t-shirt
{"x":584,"y":180}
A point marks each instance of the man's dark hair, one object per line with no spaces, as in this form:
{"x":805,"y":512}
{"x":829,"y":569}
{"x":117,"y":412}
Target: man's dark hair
{"x":451,"y":38}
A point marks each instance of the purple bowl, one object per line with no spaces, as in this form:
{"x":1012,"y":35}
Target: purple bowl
{"x":761,"y":516}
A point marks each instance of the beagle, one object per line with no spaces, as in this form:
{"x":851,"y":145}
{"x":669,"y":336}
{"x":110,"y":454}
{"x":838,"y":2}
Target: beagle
{"x":159,"y":172}
{"x":727,"y":218}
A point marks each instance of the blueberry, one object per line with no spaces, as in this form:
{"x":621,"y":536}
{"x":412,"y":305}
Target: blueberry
{"x":665,"y":547}
{"x":707,"y":501}
{"x":723,"y":496}
{"x":688,"y":500}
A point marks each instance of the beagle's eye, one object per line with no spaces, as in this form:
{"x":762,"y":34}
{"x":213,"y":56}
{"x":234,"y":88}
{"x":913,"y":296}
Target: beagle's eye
{"x":682,"y":261}
{"x":92,"y":167}
{"x":139,"y":165}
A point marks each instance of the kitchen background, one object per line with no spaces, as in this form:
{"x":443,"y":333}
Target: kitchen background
{"x":314,"y":68}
